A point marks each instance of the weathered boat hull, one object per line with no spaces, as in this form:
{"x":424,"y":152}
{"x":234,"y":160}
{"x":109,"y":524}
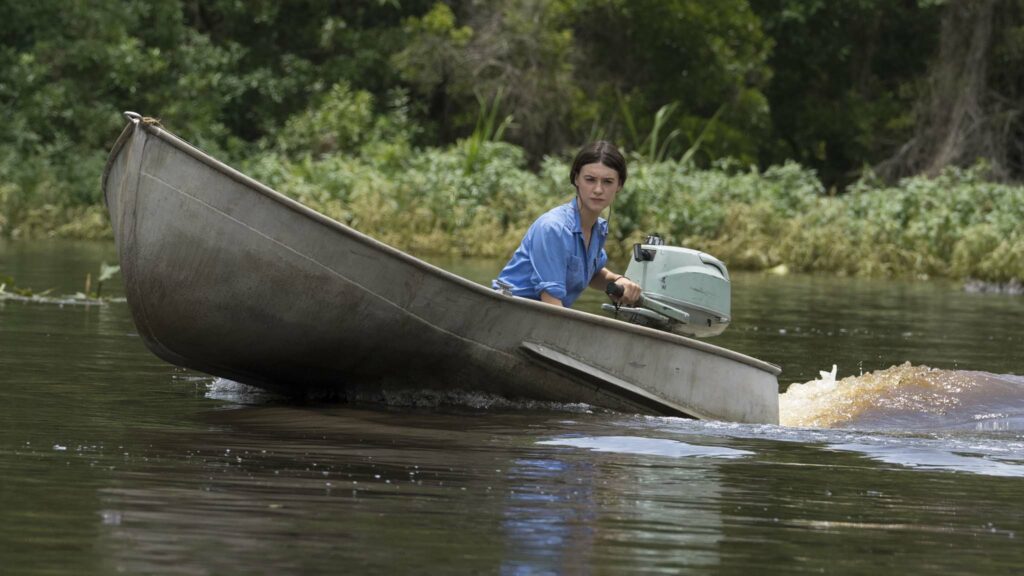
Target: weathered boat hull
{"x":225,"y":276}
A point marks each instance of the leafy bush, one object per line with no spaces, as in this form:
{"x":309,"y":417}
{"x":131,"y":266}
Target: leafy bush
{"x":957,"y":225}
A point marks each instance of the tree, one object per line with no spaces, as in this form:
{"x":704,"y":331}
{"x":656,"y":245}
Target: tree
{"x":434,"y":63}
{"x":846,"y":76}
{"x":967,"y":113}
{"x":519,"y":48}
{"x":703,"y":55}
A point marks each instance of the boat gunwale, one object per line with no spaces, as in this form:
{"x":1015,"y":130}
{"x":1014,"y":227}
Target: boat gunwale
{"x":115,"y":150}
{"x":294,"y":205}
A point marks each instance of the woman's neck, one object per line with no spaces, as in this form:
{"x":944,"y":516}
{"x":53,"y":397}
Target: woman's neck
{"x":587,"y":220}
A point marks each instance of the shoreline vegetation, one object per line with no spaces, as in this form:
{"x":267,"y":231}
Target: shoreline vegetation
{"x":868,"y":138}
{"x":476,"y":198}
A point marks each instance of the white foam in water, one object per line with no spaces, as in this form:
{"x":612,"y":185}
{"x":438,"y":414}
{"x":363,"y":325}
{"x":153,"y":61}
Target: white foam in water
{"x":906,"y":397}
{"x":646,"y":446}
{"x":231,"y":391}
{"x":930,"y":458}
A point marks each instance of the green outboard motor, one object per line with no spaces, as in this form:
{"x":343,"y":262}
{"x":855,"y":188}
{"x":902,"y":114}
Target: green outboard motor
{"x":684,"y":291}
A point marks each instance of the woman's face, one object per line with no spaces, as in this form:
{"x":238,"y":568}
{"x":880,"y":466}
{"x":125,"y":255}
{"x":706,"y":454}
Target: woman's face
{"x":597,"y":184}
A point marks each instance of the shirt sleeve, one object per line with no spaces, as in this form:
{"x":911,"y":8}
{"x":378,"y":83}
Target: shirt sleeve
{"x":549,"y":255}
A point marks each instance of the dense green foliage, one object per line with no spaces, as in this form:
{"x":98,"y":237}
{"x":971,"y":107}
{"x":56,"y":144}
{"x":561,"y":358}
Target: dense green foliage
{"x":849,"y":72}
{"x":445,"y":126}
{"x":956,"y":225}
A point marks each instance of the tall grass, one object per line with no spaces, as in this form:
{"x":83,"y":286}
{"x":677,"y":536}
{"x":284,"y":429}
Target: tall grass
{"x":956,"y":225}
{"x":488,"y":129}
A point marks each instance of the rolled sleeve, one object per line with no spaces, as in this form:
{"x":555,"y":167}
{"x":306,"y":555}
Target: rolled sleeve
{"x":552,"y":257}
{"x":549,"y":256}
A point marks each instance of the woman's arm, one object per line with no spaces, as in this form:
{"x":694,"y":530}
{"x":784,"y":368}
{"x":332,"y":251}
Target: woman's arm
{"x":549,"y":299}
{"x":631,"y":290}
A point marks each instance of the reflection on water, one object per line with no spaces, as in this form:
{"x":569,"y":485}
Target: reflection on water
{"x":934,"y":459}
{"x":550,"y":515}
{"x":113,"y":461}
{"x":541,"y":493}
{"x":646,"y":446}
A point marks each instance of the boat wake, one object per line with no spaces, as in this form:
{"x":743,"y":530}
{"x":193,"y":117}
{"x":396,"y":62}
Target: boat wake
{"x":904,"y":397}
{"x":907,"y":397}
{"x":429,"y":398}
{"x":237,"y":393}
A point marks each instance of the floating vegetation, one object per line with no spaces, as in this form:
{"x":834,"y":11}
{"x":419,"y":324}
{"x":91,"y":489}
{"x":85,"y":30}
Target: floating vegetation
{"x":7,"y":286}
{"x":9,"y":291}
{"x":1013,"y":287}
{"x":76,"y":299}
{"x":106,"y":273}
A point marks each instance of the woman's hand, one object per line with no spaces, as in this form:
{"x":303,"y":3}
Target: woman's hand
{"x":631,"y":291}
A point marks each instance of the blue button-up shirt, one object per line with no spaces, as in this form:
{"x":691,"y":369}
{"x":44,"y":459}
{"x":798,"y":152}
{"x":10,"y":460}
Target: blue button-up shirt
{"x":552,"y":258}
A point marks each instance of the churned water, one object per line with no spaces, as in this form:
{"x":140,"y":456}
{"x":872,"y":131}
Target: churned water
{"x":908,"y":457}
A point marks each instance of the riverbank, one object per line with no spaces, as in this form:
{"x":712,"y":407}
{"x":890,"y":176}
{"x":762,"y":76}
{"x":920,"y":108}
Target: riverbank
{"x":477,"y":202}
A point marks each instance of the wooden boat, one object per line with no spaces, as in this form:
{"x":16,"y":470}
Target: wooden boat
{"x":226,"y":276}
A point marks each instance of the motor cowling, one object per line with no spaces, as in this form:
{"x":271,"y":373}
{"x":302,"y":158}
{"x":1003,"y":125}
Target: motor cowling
{"x":685,"y":291}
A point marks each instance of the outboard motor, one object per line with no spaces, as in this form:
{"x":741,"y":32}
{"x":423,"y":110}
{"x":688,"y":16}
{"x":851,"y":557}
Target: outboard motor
{"x":684,"y":291}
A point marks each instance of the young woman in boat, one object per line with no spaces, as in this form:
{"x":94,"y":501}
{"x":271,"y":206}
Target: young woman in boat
{"x":563,"y":251}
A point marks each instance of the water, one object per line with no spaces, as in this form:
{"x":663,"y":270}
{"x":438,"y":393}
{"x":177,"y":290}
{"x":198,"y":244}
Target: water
{"x":911,"y":457}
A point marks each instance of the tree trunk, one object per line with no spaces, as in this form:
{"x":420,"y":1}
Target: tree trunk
{"x":957,"y":121}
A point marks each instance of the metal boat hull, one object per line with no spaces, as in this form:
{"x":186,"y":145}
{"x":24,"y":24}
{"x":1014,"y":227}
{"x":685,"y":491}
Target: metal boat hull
{"x":225,"y":276}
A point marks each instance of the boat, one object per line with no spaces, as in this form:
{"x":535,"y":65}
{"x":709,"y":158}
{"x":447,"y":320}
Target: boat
{"x":225,"y":276}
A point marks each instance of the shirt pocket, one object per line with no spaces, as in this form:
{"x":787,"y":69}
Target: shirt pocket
{"x":574,"y":276}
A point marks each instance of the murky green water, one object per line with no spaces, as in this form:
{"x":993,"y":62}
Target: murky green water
{"x":112,"y":461}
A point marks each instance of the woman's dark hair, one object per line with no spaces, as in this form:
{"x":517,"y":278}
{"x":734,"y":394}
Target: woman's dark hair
{"x":603,"y":152}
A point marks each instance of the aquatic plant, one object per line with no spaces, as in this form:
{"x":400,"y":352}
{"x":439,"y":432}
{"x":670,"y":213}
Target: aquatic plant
{"x":8,"y":287}
{"x":107,"y":272}
{"x":9,"y":290}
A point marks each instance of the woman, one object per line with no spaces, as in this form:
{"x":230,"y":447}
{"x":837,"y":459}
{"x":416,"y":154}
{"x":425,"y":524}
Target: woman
{"x":563,"y":251}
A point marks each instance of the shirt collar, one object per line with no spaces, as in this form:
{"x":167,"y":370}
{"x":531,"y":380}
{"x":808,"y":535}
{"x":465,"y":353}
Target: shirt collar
{"x":577,"y":226}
